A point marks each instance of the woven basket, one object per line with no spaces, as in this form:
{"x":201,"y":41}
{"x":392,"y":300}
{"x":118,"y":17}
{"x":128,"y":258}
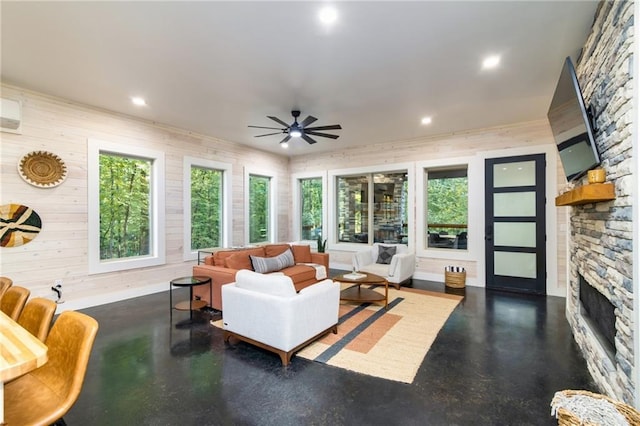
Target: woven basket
{"x":455,"y":279}
{"x":567,"y":418}
{"x":42,"y":169}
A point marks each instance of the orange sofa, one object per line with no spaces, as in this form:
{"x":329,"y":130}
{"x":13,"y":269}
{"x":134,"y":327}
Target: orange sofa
{"x":222,"y":266}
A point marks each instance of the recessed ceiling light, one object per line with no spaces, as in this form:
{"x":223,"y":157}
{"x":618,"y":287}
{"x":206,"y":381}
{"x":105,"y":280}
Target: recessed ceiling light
{"x":328,"y":15}
{"x":284,"y":145}
{"x":425,"y":120}
{"x":138,"y":101}
{"x":491,"y":62}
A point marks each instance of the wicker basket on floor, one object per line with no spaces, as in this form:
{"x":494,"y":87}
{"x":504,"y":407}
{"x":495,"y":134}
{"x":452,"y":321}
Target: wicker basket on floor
{"x":455,"y":279}
{"x":567,"y":418}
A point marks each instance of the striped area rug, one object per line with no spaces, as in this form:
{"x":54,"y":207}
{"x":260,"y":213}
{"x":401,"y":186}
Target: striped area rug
{"x":389,"y":344}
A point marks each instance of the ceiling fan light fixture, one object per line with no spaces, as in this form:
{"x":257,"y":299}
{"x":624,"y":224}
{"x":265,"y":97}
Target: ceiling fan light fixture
{"x":299,"y":130}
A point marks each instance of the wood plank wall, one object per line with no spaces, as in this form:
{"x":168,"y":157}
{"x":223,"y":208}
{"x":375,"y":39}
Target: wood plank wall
{"x":63,"y":127}
{"x":60,"y":250}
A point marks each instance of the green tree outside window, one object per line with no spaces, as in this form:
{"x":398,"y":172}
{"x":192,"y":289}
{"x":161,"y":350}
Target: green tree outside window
{"x":311,"y":208}
{"x":206,"y":208}
{"x":447,"y":208}
{"x":125,"y":200}
{"x":259,"y":212}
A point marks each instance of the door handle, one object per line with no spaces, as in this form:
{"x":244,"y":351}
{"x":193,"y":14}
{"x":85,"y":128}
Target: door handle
{"x":488,"y":236}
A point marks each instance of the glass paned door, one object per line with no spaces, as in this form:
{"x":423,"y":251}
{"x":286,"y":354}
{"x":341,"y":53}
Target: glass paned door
{"x":515,"y":223}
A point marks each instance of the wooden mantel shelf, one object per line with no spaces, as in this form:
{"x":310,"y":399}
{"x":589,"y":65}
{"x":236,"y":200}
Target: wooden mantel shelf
{"x":592,"y":193}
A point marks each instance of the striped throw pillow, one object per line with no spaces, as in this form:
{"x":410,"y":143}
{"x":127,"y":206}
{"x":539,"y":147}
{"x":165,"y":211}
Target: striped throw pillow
{"x":271,"y":264}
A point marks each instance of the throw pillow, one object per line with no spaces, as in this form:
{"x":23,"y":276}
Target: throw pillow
{"x":301,"y":254}
{"x":385,"y":253}
{"x":271,"y":264}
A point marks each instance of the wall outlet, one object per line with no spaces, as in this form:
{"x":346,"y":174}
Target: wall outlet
{"x":57,"y":283}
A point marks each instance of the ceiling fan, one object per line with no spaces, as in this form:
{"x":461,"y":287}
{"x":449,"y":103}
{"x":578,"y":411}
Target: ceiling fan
{"x":299,"y":130}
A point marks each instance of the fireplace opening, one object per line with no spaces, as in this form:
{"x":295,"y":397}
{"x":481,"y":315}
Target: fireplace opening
{"x":599,"y":313}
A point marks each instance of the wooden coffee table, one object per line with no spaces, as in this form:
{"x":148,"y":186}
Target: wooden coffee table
{"x":363,"y":295}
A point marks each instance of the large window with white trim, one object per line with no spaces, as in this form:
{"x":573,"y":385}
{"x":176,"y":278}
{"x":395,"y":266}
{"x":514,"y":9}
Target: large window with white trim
{"x":207,"y":193}
{"x":310,"y":208}
{"x":447,"y":208}
{"x":260,"y":206}
{"x":372,"y":207}
{"x":126,"y":194}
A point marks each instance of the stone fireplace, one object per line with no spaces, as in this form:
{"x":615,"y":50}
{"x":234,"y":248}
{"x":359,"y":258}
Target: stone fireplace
{"x":600,"y":241}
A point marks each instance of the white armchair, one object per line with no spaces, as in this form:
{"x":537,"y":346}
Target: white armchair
{"x":400,"y":268}
{"x":266,"y":311}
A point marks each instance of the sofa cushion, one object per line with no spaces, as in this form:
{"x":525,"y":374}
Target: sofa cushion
{"x":272,"y":250}
{"x":301,"y":254}
{"x":241,"y":260}
{"x":221,"y":256}
{"x":385,"y":253}
{"x":300,"y":273}
{"x":374,"y":268}
{"x":270,"y":264}
{"x":276,"y":285}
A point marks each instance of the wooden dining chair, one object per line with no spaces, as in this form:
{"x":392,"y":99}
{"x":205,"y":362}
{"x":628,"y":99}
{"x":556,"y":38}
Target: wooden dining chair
{"x":37,"y":315}
{"x":44,"y":395}
{"x":5,"y":283}
{"x":13,"y":301}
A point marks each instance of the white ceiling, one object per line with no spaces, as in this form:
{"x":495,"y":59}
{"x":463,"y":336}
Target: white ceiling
{"x":217,"y":67}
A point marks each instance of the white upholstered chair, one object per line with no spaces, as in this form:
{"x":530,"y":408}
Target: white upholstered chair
{"x":266,"y":311}
{"x":400,"y":268}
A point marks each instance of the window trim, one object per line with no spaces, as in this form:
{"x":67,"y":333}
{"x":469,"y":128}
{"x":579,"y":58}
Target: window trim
{"x":297,"y":219}
{"x":475,"y":233}
{"x":226,"y":169}
{"x":332,"y":207}
{"x":273,"y":213}
{"x":157,"y":222}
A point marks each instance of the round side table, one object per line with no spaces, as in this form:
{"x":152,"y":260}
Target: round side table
{"x":188,"y":305}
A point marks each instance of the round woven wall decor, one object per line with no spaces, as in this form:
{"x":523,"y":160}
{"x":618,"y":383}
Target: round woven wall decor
{"x":42,"y":169}
{"x":18,"y":225}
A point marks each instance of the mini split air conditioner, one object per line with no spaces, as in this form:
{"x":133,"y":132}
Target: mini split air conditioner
{"x":10,"y":116}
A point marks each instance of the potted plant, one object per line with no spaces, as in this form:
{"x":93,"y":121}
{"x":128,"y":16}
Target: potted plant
{"x":322,"y":245}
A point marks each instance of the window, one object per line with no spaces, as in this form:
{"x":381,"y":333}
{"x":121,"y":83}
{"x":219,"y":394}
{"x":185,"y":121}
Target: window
{"x":447,"y":208}
{"x":310,"y":208}
{"x":260,"y":206}
{"x":376,"y":202}
{"x":207,"y":192}
{"x":126,"y":192}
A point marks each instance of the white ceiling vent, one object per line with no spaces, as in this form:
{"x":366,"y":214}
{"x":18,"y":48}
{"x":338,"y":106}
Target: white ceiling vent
{"x":10,"y":116}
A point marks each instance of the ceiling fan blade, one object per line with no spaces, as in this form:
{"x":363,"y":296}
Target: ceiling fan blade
{"x":307,"y":138}
{"x":331,"y":127}
{"x":269,"y":134}
{"x":286,"y":139}
{"x":310,"y":119}
{"x":324,"y":135}
{"x":277,"y":120}
{"x":262,"y":127}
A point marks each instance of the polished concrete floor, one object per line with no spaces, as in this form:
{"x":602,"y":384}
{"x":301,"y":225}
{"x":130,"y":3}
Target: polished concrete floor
{"x":498,"y":361}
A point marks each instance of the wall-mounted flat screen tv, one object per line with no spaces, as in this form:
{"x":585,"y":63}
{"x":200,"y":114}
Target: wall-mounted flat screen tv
{"x":572,"y":125}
